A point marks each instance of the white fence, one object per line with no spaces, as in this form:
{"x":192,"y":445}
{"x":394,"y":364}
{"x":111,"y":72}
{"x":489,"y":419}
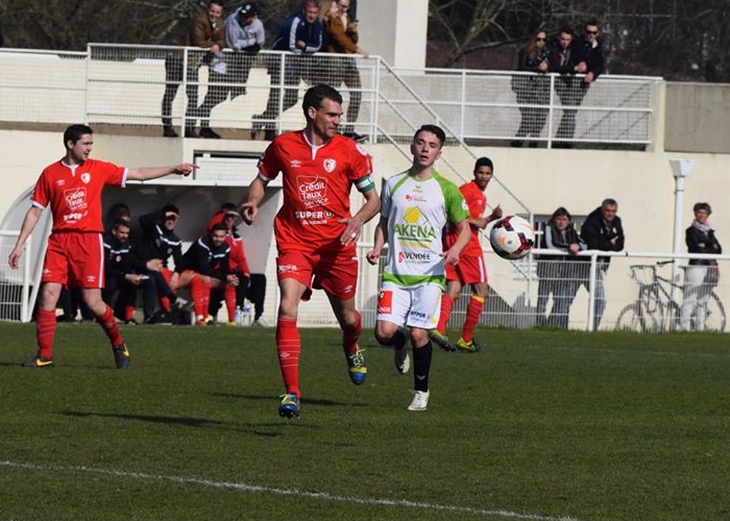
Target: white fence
{"x":124,"y":85}
{"x":643,"y":292}
{"x":15,"y":285}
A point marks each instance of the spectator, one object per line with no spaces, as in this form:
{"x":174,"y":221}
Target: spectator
{"x":245,"y":36}
{"x":301,"y":35}
{"x":532,"y":90}
{"x":234,"y":296}
{"x":343,"y":38}
{"x":413,"y":279}
{"x":602,"y":231}
{"x":72,"y":188}
{"x":702,"y":275}
{"x":471,"y":268}
{"x":121,"y":280}
{"x":558,"y":276}
{"x":204,"y":267}
{"x":583,"y":56}
{"x":316,"y":235}
{"x":151,"y":255}
{"x":206,"y":31}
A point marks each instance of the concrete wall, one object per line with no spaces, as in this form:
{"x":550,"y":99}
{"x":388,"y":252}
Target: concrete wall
{"x":395,"y":30}
{"x":698,"y":117}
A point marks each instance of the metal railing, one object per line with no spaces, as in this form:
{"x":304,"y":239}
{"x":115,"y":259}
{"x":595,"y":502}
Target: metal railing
{"x":124,"y":85}
{"x":15,"y":284}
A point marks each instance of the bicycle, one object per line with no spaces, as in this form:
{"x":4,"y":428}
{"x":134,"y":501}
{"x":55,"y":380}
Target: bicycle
{"x":655,"y":310}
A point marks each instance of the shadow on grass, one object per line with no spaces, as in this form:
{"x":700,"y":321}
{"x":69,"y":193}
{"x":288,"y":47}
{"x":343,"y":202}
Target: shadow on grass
{"x":324,"y":402}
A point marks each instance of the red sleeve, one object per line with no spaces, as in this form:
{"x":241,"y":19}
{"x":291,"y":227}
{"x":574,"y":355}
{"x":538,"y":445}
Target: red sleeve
{"x":361,"y":163}
{"x":40,"y":194}
{"x":269,"y":165}
{"x":243,"y":262}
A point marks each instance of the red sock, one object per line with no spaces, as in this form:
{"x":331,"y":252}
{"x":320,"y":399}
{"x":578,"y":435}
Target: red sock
{"x":128,"y":313}
{"x":229,"y":294}
{"x":110,"y":327}
{"x":164,"y":301}
{"x":350,"y":336}
{"x":45,"y":331}
{"x":446,"y":304}
{"x":288,"y":347}
{"x":476,"y":305}
{"x":199,"y":290}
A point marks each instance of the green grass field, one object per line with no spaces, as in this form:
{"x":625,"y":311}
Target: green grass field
{"x":541,"y":425}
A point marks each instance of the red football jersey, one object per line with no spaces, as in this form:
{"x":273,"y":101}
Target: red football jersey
{"x":74,"y":193}
{"x":317,"y":183}
{"x":476,"y":200}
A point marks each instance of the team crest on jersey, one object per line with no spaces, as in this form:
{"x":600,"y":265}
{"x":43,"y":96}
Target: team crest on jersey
{"x":86,"y":177}
{"x":329,"y":165}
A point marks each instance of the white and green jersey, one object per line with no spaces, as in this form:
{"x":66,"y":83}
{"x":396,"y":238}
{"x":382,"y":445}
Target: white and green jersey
{"x":418,"y":211}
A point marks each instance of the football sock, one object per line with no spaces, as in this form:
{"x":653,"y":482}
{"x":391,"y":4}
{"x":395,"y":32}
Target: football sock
{"x":45,"y":330}
{"x":446,"y":304}
{"x":109,"y":324}
{"x":289,"y":347}
{"x":473,"y":311}
{"x":422,"y":366}
{"x":351,"y":334}
{"x":198,"y":292}
{"x":229,"y":295}
{"x":128,"y":313}
{"x":398,"y":340}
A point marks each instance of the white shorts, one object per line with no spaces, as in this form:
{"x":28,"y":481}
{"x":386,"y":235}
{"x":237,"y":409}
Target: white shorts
{"x":417,"y":306}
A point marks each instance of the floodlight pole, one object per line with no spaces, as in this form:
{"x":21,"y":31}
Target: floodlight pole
{"x":681,"y":168}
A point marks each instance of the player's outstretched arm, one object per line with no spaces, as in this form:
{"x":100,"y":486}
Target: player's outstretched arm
{"x":452,"y":254}
{"x":153,"y":172}
{"x":250,"y":209}
{"x":29,"y":222}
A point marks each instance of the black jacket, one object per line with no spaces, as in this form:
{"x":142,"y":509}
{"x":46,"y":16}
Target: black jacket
{"x":116,"y":257}
{"x":597,"y":234}
{"x":156,"y":242}
{"x":204,"y":258}
{"x":583,"y":51}
{"x":701,"y":242}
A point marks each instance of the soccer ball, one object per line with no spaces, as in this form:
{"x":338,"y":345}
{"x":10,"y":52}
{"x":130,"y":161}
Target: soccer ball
{"x":512,"y":237}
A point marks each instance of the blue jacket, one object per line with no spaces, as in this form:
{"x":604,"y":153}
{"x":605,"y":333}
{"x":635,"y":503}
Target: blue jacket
{"x":295,"y":29}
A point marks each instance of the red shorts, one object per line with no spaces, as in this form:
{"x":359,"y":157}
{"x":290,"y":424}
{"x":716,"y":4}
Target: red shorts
{"x":336,"y":273}
{"x":75,"y":259}
{"x":469,"y":270}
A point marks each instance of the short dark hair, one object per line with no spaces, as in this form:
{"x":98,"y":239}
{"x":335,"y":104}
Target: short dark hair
{"x":433,"y":129}
{"x":608,"y":201}
{"x":591,"y":21}
{"x":702,"y":206}
{"x":170,"y":208}
{"x":561,"y":212}
{"x":119,"y":223}
{"x":227,"y":207}
{"x":74,"y":132}
{"x":317,"y":94}
{"x":218,"y":227}
{"x":566,"y":29}
{"x":483,"y":161}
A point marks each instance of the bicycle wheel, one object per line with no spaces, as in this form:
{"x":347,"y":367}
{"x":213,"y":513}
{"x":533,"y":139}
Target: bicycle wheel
{"x":635,"y":317}
{"x":716,"y":319}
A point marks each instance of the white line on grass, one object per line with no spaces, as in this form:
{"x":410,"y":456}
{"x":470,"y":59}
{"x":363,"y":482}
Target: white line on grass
{"x":243,"y":487}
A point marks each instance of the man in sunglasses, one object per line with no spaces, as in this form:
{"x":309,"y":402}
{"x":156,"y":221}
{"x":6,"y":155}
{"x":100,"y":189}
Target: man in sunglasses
{"x":580,"y":55}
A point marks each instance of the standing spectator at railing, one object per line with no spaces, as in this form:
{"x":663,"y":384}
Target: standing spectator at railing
{"x":343,"y":37}
{"x":558,"y":274}
{"x":71,"y":188}
{"x":206,"y":31}
{"x":701,"y":275}
{"x":602,"y":231}
{"x":532,"y":90}
{"x":471,"y":268}
{"x":584,"y":56}
{"x":301,"y":35}
{"x":245,"y":36}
